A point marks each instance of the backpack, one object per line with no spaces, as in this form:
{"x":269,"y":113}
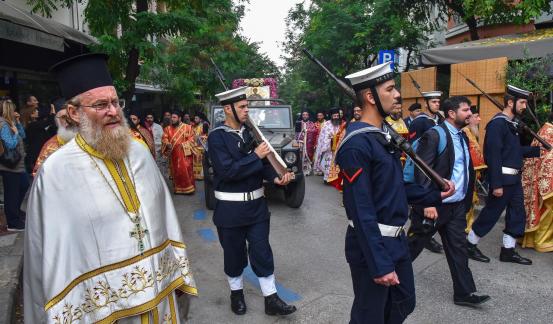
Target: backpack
{"x":409,"y":168}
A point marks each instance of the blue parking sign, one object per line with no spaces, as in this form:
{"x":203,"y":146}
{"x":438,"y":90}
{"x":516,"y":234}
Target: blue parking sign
{"x":386,"y":56}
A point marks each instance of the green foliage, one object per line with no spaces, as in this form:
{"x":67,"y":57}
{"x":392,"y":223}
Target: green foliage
{"x":533,"y":74}
{"x":172,"y":47}
{"x":501,"y":11}
{"x":345,"y":35}
{"x":473,"y":11}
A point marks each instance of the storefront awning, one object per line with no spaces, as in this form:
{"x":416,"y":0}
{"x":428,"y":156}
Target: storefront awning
{"x":20,"y":26}
{"x":538,"y":43}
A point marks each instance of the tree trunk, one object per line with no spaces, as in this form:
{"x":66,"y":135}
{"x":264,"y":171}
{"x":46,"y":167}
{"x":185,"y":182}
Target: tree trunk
{"x":133,"y":69}
{"x":473,"y":28}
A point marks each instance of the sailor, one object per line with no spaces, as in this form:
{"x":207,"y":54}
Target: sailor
{"x":503,"y":155}
{"x":241,"y":214}
{"x":376,"y":203}
{"x":420,"y":124}
{"x":425,"y":121}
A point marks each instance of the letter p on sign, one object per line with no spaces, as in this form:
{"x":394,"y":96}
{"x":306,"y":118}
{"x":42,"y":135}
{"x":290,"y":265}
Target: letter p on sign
{"x":386,"y":56}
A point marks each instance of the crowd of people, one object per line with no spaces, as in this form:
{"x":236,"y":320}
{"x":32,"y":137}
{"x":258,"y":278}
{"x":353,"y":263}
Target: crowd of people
{"x":101,"y":174}
{"x":445,"y":135}
{"x":32,"y":133}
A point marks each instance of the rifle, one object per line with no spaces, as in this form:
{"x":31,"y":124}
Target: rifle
{"x":274,"y":159}
{"x":399,"y":141}
{"x":517,"y":120}
{"x":418,"y":87}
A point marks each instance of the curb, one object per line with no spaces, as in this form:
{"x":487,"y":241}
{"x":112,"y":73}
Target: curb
{"x":11,"y":265}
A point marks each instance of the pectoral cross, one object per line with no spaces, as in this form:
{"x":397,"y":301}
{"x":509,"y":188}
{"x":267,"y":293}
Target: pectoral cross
{"x":138,"y":233}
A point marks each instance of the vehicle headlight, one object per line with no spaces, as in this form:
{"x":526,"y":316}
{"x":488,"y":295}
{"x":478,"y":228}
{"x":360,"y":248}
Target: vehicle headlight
{"x":290,"y":157}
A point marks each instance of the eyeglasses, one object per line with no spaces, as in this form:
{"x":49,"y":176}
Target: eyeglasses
{"x":105,"y":105}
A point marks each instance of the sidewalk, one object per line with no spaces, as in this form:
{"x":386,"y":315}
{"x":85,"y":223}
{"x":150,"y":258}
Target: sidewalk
{"x":11,"y":264}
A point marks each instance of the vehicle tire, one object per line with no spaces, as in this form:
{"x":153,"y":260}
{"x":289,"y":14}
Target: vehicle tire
{"x":294,"y":193}
{"x":209,"y":191}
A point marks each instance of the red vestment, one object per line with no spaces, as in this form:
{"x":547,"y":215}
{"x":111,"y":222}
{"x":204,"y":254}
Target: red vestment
{"x":179,"y":146}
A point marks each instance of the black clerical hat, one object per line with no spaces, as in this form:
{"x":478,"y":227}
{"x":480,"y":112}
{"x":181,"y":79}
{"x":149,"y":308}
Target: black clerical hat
{"x":81,"y":73}
{"x":334,"y":110}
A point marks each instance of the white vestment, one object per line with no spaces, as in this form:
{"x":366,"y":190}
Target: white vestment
{"x":157,"y":131}
{"x":81,"y":263}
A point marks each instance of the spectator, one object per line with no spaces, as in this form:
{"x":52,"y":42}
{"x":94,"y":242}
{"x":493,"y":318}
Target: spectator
{"x":31,"y":103}
{"x":38,"y":131}
{"x":15,"y":179}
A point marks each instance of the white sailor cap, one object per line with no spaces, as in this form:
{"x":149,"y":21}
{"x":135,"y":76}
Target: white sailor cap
{"x":232,"y":96}
{"x":372,"y":76}
{"x":518,"y":92}
{"x":432,"y":94}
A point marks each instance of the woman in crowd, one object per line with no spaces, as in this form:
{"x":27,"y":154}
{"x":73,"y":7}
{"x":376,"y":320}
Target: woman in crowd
{"x":14,"y":177}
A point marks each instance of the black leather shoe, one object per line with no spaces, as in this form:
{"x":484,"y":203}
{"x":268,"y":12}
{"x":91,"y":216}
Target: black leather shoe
{"x":470,"y":300}
{"x":237,"y":302}
{"x":433,"y":246}
{"x":510,"y":255}
{"x":276,"y":306}
{"x":475,"y":254}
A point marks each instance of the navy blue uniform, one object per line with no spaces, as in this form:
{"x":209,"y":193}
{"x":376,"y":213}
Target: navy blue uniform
{"x":502,"y":149}
{"x":374,"y":193}
{"x":421,"y":124}
{"x":238,"y":169}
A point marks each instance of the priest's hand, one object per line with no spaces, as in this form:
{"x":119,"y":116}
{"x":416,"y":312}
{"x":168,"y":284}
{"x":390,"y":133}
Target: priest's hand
{"x":390,"y":279}
{"x":286,"y":178}
{"x":497,"y":192}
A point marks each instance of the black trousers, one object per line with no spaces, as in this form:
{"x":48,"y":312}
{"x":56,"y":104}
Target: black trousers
{"x":15,"y":188}
{"x":240,"y":242}
{"x":374,"y":303}
{"x":515,"y":217}
{"x":451,"y":225}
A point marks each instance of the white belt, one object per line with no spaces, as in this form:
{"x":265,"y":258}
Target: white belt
{"x":240,"y":196}
{"x":386,"y":230}
{"x":511,"y":171}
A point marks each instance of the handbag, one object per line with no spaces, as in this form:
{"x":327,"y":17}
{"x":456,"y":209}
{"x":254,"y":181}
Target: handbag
{"x":9,"y":157}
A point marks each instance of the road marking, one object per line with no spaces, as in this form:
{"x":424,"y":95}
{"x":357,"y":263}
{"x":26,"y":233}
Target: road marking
{"x":200,"y":214}
{"x":286,"y":294}
{"x":207,"y":234}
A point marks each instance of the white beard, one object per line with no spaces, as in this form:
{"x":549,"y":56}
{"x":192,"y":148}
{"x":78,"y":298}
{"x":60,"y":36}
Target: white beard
{"x":113,"y":144}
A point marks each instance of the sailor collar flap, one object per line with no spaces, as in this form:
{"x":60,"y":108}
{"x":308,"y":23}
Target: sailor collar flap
{"x":367,"y":129}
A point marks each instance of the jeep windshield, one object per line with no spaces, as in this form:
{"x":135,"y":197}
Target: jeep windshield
{"x":272,"y":117}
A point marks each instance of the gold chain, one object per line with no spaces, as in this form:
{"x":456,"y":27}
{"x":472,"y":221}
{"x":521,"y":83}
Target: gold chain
{"x":135,"y":219}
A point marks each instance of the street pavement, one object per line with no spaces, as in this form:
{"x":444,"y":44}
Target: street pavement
{"x":312,"y":272}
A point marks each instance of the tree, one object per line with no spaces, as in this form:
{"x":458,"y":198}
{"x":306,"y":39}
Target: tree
{"x":471,"y":12}
{"x":169,"y":45}
{"x":345,"y":35}
{"x":128,"y":31}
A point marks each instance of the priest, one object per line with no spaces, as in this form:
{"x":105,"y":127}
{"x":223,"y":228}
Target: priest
{"x":102,"y":242}
{"x":179,"y":146}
